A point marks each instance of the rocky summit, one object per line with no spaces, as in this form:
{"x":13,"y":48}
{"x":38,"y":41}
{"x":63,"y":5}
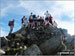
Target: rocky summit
{"x":42,"y":40}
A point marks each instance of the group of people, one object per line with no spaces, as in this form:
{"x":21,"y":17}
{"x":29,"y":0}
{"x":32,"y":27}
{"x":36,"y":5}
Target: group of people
{"x":35,"y":21}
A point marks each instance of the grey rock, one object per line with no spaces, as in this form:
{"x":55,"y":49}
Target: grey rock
{"x":51,"y":46}
{"x":44,"y":40}
{"x":33,"y":50}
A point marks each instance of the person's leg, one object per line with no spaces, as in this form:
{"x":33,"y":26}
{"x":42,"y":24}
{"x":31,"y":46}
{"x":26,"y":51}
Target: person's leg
{"x":26,"y":25}
{"x":37,"y":23}
{"x":22,"y":24}
{"x":11,"y":29}
{"x":45,"y":22}
{"x":50,"y":21}
{"x":31,"y":24}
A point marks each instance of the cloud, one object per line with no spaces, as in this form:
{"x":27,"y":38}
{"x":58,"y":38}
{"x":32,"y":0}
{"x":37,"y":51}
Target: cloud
{"x":4,"y":11}
{"x":66,"y":25}
{"x":3,"y":33}
{"x":63,"y":8}
{"x":31,"y":6}
{"x":8,"y":7}
{"x":56,"y":8}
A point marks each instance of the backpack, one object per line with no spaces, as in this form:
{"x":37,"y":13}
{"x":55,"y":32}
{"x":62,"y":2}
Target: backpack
{"x":50,"y":17}
{"x":22,"y":20}
{"x":34,"y":16}
{"x":10,"y":23}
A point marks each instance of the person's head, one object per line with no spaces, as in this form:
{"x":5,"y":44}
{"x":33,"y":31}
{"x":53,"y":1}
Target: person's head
{"x":47,"y":11}
{"x":31,"y":13}
{"x":23,"y":16}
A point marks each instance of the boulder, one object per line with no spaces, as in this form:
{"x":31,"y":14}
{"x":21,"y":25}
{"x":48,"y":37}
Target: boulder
{"x":51,"y":46}
{"x":33,"y":50}
{"x":41,"y":40}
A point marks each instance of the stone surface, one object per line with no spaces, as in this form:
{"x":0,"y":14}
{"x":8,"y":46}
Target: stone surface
{"x":47,"y":40}
{"x":51,"y":46}
{"x":33,"y":50}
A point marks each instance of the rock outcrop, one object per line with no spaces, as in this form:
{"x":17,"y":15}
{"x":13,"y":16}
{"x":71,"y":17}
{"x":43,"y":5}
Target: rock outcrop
{"x":43,"y":40}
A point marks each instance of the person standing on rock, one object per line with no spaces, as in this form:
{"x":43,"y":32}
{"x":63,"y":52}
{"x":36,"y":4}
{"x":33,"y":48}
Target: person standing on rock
{"x":24,"y":21}
{"x":31,"y":15}
{"x":11,"y":25}
{"x":47,"y":14}
{"x":41,"y":20}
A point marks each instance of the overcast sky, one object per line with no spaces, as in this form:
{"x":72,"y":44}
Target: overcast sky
{"x":62,"y":12}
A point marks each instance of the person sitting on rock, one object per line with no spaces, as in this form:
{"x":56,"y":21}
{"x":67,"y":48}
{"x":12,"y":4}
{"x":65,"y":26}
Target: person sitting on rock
{"x":34,"y":21}
{"x":54,"y":24}
{"x":11,"y":25}
{"x":31,"y":15}
{"x":47,"y":22}
{"x":31,"y":21}
{"x":24,"y":21}
{"x":41,"y":20}
{"x":38,"y":23}
{"x":50,"y":19}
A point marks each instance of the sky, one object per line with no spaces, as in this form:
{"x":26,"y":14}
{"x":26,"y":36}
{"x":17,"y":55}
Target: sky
{"x":62,"y":12}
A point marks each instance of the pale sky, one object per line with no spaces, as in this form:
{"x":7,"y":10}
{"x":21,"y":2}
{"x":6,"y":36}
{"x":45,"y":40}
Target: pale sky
{"x":62,"y":12}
